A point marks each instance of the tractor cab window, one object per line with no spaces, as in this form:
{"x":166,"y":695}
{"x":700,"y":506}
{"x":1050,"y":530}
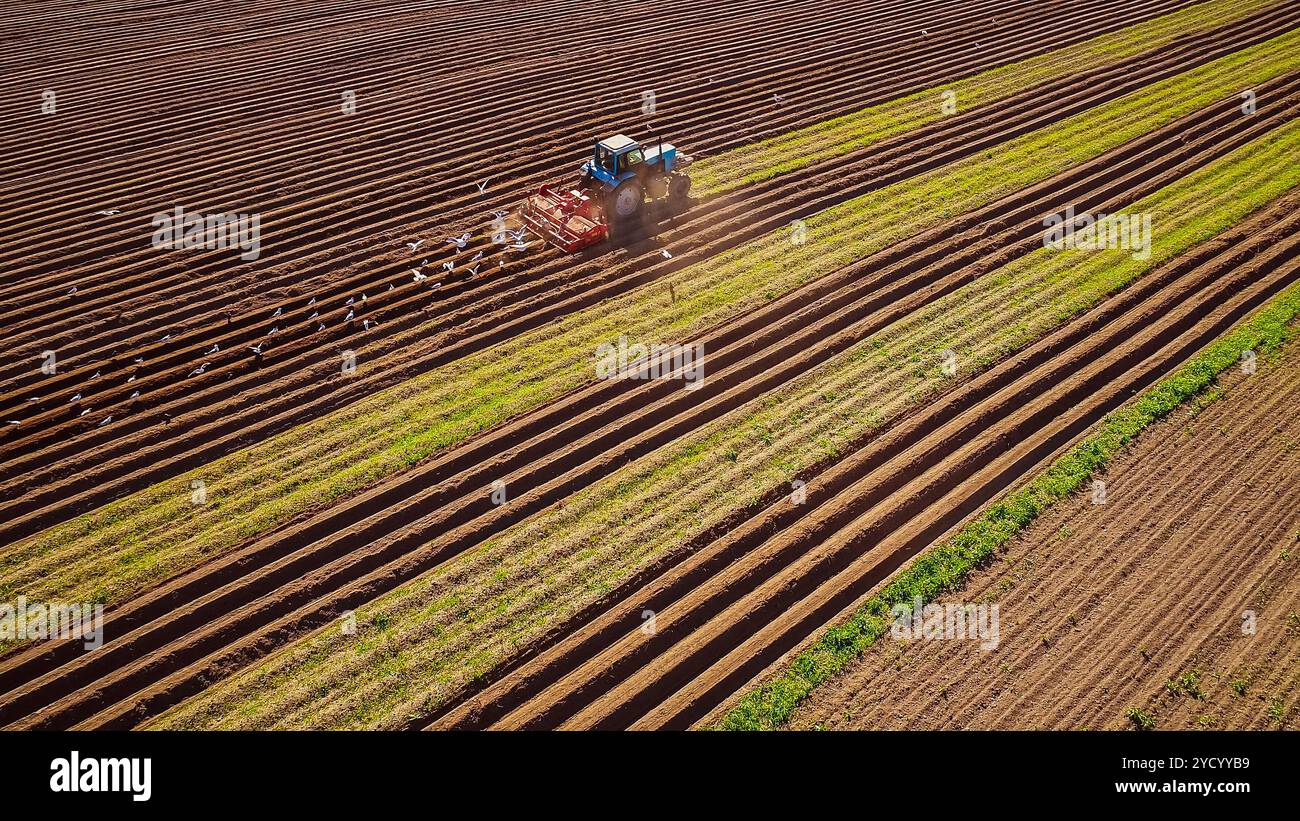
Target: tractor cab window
{"x":605,"y":158}
{"x":630,"y":159}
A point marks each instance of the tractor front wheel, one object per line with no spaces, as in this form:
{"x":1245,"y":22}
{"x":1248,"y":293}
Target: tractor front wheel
{"x":627,"y":200}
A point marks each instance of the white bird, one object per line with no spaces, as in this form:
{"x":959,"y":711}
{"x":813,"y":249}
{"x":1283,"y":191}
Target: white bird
{"x":76,"y":398}
{"x":473,"y":271}
{"x":311,"y":302}
{"x":419,"y":277}
{"x":274,"y":331}
{"x":139,"y":360}
{"x":33,"y":399}
{"x":482,"y":186}
{"x":96,"y":376}
{"x":499,"y":214}
{"x":256,"y":348}
{"x":107,"y":419}
{"x":165,"y":338}
{"x":72,"y":291}
{"x":108,"y":212}
{"x":476,"y":257}
{"x":321,"y":328}
{"x":278,"y":311}
{"x":215,"y":348}
{"x":367,"y":323}
{"x":776,"y":98}
{"x":12,"y":422}
{"x":518,"y":235}
{"x":364,"y":297}
{"x":414,"y":245}
{"x":83,"y":413}
{"x":391,"y":286}
{"x":129,"y":381}
{"x":666,"y":254}
{"x":501,"y":263}
{"x":519,"y":246}
{"x":349,"y":302}
{"x":348,"y":318}
{"x":460,"y":242}
{"x":436,"y":284}
{"x":135,"y":395}
{"x":925,"y":33}
{"x":314,"y":315}
{"x":448,"y":265}
{"x":200,"y":369}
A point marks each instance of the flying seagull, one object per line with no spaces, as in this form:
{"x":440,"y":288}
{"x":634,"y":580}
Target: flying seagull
{"x":460,"y":242}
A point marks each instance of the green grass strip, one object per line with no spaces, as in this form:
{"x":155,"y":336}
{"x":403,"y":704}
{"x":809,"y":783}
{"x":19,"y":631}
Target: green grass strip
{"x":946,"y":568}
{"x":833,"y":138}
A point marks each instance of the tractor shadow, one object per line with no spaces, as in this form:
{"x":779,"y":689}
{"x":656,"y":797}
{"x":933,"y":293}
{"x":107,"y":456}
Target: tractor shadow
{"x":642,"y":235}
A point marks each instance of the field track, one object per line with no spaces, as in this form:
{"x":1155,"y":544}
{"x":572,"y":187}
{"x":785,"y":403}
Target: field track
{"x":130,"y":296}
{"x":1090,"y":624}
{"x":217,"y":618}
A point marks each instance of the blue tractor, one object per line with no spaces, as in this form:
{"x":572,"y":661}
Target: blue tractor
{"x":624,"y":172}
{"x":614,"y":185}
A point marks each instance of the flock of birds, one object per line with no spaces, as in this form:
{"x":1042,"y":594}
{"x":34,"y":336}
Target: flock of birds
{"x":513,"y":240}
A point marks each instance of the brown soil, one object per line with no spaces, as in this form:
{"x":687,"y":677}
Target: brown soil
{"x":1102,"y":605}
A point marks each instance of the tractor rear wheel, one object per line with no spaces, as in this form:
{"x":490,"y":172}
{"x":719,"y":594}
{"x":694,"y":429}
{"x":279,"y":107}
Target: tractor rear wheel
{"x":627,"y":199}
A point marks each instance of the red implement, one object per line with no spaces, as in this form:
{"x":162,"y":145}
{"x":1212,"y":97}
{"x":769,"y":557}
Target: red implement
{"x":570,"y":220}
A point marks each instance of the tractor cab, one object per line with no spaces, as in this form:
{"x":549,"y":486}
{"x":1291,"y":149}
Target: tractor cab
{"x":615,"y":159}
